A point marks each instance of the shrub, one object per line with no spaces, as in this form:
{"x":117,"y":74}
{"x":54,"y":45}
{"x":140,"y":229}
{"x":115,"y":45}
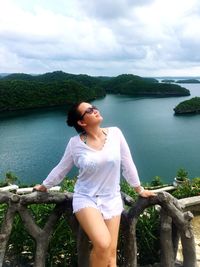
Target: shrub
{"x":196,"y":182}
{"x":156,"y":181}
{"x":187,"y":189}
{"x":147,"y":232}
{"x":182,"y":174}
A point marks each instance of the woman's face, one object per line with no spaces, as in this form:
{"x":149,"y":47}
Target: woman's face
{"x":89,"y":113}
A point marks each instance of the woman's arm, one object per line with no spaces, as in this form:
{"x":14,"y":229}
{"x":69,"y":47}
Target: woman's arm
{"x":59,"y":172}
{"x":129,"y":169}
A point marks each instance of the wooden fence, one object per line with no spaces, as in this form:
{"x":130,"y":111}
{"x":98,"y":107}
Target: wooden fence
{"x":171,"y":214}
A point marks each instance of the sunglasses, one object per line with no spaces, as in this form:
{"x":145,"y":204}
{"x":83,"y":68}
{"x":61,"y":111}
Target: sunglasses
{"x":89,"y":110}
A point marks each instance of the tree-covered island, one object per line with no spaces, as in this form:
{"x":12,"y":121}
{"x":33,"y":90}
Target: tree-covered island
{"x":25,"y":91}
{"x":133,"y":85}
{"x":188,"y":81}
{"x":168,"y":81}
{"x":188,"y":107}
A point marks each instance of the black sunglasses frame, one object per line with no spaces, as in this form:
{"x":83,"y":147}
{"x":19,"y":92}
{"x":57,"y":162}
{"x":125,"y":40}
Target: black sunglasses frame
{"x":89,"y":110}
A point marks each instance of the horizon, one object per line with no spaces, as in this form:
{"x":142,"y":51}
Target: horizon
{"x":158,"y":77}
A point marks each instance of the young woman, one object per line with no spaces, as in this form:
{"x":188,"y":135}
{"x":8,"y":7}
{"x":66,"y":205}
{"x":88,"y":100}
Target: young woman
{"x":99,"y":153}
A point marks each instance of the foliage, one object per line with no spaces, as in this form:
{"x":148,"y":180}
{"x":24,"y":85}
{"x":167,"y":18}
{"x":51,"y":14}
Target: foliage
{"x":168,"y":81}
{"x":68,"y":184}
{"x":157,"y":181}
{"x":196,"y":182}
{"x":26,"y":94}
{"x":3,"y":183}
{"x":188,"y":81}
{"x":134,"y":85}
{"x":62,"y":247}
{"x":3,"y":208}
{"x":147,"y":232}
{"x":182,"y":174}
{"x":19,"y":243}
{"x":24,"y":91}
{"x":187,"y":189}
{"x":126,"y":188}
{"x":188,"y":106}
{"x":11,"y":178}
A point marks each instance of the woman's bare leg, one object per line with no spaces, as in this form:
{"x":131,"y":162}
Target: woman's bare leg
{"x":113,"y":227}
{"x":95,"y":227}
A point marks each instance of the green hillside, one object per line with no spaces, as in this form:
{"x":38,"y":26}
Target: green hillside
{"x":188,"y":106}
{"x":25,"y":91}
{"x":188,"y":81}
{"x":137,"y":86}
{"x":18,"y":94}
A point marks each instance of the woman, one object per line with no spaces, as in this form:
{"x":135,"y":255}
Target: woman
{"x":98,"y":153}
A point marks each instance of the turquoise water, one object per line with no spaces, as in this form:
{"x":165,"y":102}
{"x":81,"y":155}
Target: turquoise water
{"x":32,"y":142}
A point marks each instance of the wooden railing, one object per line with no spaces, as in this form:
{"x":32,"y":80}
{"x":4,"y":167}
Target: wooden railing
{"x":171,"y":213}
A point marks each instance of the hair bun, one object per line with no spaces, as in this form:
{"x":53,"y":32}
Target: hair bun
{"x":73,"y":117}
{"x":70,"y":122}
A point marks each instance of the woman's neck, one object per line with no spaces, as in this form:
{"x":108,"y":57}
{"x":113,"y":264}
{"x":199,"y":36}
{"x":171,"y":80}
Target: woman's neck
{"x":94,"y":132}
{"x":95,"y":139}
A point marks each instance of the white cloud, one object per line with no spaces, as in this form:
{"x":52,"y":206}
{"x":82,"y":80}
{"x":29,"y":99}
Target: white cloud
{"x":105,"y":37}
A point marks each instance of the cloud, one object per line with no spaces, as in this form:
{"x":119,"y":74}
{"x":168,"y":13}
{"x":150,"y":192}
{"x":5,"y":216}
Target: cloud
{"x":144,"y":37}
{"x":108,"y":9}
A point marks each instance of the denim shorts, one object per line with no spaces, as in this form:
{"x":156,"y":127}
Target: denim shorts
{"x":109,"y":206}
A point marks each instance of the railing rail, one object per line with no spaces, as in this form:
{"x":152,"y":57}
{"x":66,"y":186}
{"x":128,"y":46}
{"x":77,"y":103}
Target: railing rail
{"x":172,"y":215}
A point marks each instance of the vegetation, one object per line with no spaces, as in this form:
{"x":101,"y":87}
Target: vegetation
{"x":188,"y":189}
{"x":147,"y":232}
{"x":168,"y":81}
{"x":23,"y":94}
{"x":10,"y":178}
{"x":62,"y":248}
{"x":188,"y":81}
{"x":24,"y":91}
{"x":137,"y":86}
{"x":188,"y":106}
{"x":182,"y":174}
{"x":157,"y":181}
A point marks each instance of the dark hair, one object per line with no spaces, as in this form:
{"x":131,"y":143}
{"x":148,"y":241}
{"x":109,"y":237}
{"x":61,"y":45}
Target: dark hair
{"x":73,"y":116}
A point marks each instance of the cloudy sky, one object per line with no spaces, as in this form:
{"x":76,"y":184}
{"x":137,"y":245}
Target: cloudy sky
{"x":101,"y":37}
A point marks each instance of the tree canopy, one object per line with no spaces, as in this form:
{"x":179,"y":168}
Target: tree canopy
{"x":188,"y":106}
{"x":138,"y":86}
{"x":188,"y":81}
{"x":24,"y":91}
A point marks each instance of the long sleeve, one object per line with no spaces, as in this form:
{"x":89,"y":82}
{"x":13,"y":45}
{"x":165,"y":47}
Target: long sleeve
{"x":60,"y":171}
{"x":129,"y":170}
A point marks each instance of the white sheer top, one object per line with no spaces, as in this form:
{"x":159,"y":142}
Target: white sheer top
{"x":99,"y":170}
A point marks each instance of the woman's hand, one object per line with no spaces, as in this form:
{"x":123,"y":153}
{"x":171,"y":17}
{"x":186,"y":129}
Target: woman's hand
{"x":144,"y":193}
{"x":147,"y":193}
{"x":40,"y":187}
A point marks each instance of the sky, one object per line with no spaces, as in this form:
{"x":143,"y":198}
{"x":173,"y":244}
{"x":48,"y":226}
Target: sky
{"x":149,"y":38}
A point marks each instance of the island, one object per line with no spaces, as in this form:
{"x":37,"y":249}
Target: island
{"x":168,"y":81}
{"x":24,"y":91}
{"x":188,"y":81}
{"x":133,"y":85}
{"x":191,"y":106}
